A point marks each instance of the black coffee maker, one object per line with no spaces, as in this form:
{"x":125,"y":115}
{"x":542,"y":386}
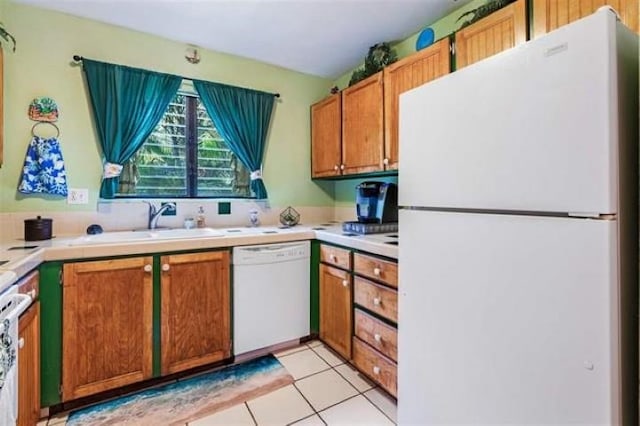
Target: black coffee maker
{"x":377,"y":202}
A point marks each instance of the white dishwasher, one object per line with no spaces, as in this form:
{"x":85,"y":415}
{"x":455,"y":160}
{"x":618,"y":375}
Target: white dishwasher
{"x":271,"y":301}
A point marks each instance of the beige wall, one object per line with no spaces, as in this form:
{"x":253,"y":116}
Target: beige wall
{"x":41,"y":66}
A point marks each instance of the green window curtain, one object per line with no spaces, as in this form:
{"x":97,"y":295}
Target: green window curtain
{"x":242,"y":118}
{"x":127,"y":105}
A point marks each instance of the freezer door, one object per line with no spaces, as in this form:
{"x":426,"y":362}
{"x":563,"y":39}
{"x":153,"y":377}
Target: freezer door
{"x":507,"y":320}
{"x":529,"y":129}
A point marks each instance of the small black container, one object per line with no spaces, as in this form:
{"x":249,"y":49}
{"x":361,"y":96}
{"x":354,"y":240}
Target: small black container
{"x":37,"y":229}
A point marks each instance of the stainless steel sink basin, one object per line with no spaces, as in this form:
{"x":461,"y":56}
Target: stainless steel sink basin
{"x":148,"y":235}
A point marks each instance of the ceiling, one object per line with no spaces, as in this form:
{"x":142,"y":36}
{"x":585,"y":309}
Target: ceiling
{"x":321,"y":37}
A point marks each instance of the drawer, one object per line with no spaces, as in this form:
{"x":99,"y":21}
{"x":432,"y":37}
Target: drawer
{"x":335,"y":256}
{"x":376,"y":298}
{"x":377,"y":334}
{"x":378,"y":269}
{"x":30,"y":285}
{"x":376,"y":366}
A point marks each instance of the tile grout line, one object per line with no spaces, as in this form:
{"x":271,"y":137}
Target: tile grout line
{"x":315,"y":412}
{"x":380,"y":409}
{"x":255,"y":422}
{"x":333,"y":367}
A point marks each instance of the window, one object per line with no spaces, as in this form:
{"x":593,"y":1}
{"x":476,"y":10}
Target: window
{"x":184,"y":157}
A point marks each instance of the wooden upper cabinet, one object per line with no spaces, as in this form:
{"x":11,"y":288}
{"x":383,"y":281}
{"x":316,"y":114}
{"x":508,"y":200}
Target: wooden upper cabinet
{"x":406,"y":74}
{"x":326,"y":136}
{"x":499,"y":31}
{"x":363,"y":126}
{"x":106,"y":325}
{"x":196,"y":310}
{"x":551,"y":14}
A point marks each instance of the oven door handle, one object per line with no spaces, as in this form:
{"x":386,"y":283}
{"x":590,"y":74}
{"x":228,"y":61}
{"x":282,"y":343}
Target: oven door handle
{"x":22,"y":302}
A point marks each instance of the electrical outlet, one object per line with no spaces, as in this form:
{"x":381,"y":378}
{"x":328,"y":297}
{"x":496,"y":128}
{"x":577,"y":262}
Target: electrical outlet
{"x":78,"y":196}
{"x":169,"y":211}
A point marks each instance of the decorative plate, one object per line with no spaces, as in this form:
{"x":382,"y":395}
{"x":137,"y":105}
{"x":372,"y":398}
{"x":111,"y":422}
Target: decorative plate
{"x":425,"y":39}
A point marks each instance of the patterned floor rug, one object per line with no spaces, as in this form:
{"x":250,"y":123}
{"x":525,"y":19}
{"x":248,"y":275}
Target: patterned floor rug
{"x":190,"y":399}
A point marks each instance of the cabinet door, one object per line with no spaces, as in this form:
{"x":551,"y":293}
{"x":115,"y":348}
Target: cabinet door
{"x":335,"y":309}
{"x":551,"y":14}
{"x":326,"y":136}
{"x":29,"y":367}
{"x":499,"y":31}
{"x":406,"y":74}
{"x":196,"y":326}
{"x":362,"y":127}
{"x":107,"y":325}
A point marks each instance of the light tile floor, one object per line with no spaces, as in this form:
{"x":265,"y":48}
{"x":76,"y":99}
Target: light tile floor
{"x":327,"y":391}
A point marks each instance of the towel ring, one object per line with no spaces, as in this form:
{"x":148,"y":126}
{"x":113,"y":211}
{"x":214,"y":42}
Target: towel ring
{"x":33,"y":129}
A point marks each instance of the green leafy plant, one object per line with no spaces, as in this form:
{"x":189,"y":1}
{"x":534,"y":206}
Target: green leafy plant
{"x":480,"y":12}
{"x":7,"y":36}
{"x":380,"y":55}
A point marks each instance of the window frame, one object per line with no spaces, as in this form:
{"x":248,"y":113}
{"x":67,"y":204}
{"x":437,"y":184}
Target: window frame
{"x":191,"y":155}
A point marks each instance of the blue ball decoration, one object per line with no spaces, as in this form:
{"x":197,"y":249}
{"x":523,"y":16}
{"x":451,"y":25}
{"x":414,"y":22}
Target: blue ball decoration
{"x":425,"y":39}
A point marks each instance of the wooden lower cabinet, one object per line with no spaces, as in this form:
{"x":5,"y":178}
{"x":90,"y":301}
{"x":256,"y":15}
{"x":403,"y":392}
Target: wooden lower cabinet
{"x":335,"y":309}
{"x":375,"y":365}
{"x":196,"y":317}
{"x":107,"y":325}
{"x":29,"y":367}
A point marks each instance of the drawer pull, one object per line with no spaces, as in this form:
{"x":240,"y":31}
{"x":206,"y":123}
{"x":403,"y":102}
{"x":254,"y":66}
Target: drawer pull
{"x":148,"y":268}
{"x":32,"y":293}
{"x":376,"y":370}
{"x":376,"y":272}
{"x":377,"y":338}
{"x":345,"y":283}
{"x":166,"y":267}
{"x":21,"y":343}
{"x":332,"y":257}
{"x":377,"y":301}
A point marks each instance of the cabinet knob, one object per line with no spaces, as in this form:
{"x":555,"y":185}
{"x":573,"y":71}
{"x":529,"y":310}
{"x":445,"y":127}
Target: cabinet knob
{"x":376,"y":371}
{"x":385,"y":161}
{"x":165,"y":267}
{"x":21,"y":343}
{"x":377,"y":338}
{"x":336,"y":167}
{"x":148,"y":268}
{"x":332,"y":257}
{"x":377,"y":301}
{"x":32,"y":293}
{"x":376,"y":272}
{"x":345,"y":283}
{"x":341,"y":166}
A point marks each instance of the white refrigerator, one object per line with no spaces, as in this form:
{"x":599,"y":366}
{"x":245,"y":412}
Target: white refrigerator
{"x":518,"y":230}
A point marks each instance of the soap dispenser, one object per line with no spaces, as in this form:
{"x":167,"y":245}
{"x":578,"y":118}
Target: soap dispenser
{"x":200,"y":219}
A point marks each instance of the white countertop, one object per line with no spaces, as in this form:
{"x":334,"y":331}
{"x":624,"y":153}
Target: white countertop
{"x":23,"y":256}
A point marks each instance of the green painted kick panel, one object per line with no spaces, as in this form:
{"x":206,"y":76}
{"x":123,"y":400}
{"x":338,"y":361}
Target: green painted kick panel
{"x":157,"y":304}
{"x":51,"y":333}
{"x":315,"y":287}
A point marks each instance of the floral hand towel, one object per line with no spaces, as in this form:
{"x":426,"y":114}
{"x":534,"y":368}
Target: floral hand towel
{"x":43,"y":170}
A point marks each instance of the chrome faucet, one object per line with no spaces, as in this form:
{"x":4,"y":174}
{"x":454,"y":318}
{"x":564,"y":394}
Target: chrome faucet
{"x":154,"y":213}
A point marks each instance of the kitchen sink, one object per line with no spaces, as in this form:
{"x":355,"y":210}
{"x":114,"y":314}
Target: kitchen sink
{"x":148,"y":235}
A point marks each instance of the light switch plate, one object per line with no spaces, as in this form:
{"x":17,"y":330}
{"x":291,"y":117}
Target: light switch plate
{"x":78,"y":196}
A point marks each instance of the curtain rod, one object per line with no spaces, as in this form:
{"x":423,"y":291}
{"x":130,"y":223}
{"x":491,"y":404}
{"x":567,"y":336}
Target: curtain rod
{"x":78,"y":58}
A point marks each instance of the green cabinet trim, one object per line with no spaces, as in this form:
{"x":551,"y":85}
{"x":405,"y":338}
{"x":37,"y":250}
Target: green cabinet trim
{"x":51,"y":333}
{"x":315,"y":288}
{"x":156,"y":322}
